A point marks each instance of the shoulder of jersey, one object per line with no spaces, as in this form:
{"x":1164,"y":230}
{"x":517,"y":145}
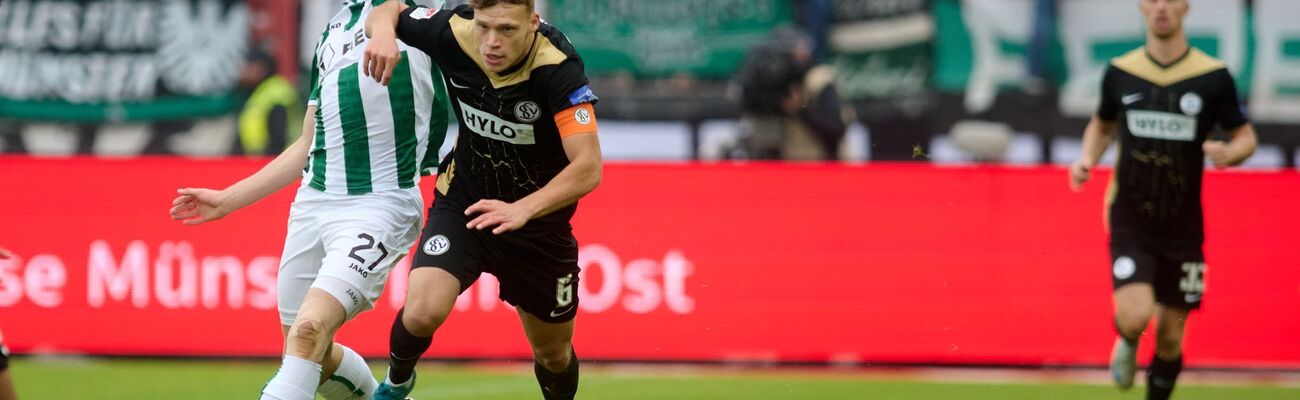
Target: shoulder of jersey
{"x":463,"y":11}
{"x":1196,"y":63}
{"x":558,"y":39}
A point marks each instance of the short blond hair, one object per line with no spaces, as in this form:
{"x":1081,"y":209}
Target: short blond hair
{"x":481,"y":4}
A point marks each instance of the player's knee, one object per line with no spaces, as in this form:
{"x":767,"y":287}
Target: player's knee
{"x":1169,"y":343}
{"x":1132,"y":324}
{"x":305,"y":332}
{"x":553,"y":358}
{"x":1131,"y":321}
{"x":423,"y":320}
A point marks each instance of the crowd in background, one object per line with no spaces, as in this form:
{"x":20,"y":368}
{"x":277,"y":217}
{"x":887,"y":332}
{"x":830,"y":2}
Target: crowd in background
{"x":794,"y":86}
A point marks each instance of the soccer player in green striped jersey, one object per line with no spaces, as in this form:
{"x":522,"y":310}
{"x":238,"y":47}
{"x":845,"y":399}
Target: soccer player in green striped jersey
{"x":358,"y":209}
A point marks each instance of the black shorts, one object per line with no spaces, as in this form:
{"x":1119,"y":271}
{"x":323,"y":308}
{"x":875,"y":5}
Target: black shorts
{"x":1174,"y":269}
{"x":537,"y":268}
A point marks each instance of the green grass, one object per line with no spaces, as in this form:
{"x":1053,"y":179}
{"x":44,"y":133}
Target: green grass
{"x":200,"y":380}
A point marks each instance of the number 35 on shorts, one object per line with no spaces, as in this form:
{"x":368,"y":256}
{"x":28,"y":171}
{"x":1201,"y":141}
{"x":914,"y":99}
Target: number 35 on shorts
{"x":1193,"y":278}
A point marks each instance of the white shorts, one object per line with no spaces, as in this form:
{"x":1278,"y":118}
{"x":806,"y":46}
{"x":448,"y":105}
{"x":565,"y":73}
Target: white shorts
{"x":345,"y":245}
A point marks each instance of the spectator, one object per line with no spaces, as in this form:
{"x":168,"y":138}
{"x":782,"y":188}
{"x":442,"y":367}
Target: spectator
{"x":265,"y":127}
{"x":886,"y":77}
{"x":789,"y":109}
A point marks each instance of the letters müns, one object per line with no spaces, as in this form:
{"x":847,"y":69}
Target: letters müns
{"x":1161,"y":125}
{"x":492,"y":127}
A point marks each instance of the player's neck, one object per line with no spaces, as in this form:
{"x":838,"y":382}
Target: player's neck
{"x":1168,"y":50}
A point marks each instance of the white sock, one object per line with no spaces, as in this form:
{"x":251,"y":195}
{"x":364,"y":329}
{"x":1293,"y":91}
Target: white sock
{"x":351,"y":381}
{"x":296,"y":380}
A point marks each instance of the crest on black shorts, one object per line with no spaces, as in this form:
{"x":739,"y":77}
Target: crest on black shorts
{"x":1124,"y":267}
{"x":437,"y":245}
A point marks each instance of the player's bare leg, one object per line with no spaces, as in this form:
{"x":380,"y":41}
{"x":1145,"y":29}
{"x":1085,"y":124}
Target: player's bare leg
{"x":429,"y":298}
{"x":557,"y":364}
{"x":308,"y":340}
{"x":1135,"y":303}
{"x":1168,"y":360}
{"x":7,"y":386}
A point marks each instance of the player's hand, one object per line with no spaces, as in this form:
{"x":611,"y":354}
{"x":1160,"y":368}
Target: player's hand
{"x":196,"y":206}
{"x":504,"y":216}
{"x":1217,"y":152}
{"x":381,"y":56}
{"x":1080,"y":171}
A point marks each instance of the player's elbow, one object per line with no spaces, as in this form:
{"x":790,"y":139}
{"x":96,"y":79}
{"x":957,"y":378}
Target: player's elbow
{"x":593,"y":176}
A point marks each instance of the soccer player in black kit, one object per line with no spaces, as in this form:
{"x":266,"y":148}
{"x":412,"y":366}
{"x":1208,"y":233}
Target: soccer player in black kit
{"x":1164,"y":99}
{"x":527,"y":151}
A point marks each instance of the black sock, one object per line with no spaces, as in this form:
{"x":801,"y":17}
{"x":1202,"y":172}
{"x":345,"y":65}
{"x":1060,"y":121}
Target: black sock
{"x":404,"y":350}
{"x":561,"y":386}
{"x":1161,"y":377}
{"x":4,"y":358}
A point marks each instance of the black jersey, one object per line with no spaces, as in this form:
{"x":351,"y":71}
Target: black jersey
{"x":1165,"y":113}
{"x":509,"y":145}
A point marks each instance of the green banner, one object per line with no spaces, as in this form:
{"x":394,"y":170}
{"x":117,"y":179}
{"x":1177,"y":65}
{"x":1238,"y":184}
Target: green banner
{"x":705,"y":38}
{"x":103,"y":60}
{"x":981,"y":46}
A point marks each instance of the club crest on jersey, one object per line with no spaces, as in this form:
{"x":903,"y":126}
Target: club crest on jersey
{"x":527,"y":111}
{"x":423,"y":13}
{"x":1191,"y":103}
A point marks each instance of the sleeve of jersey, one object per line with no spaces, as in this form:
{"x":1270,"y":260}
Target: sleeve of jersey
{"x":313,"y":99}
{"x":1228,"y":108}
{"x":421,"y":27}
{"x":567,"y":90}
{"x":1108,"y":110}
{"x":576,"y":120}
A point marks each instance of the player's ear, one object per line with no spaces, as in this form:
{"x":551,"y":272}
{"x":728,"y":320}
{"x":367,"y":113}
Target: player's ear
{"x":535,"y":22}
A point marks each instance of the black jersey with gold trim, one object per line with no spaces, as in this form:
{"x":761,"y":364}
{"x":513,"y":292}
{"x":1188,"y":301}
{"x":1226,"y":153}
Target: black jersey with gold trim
{"x":1165,"y":113}
{"x":509,"y":145}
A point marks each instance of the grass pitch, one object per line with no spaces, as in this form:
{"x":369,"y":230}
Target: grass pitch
{"x":113,"y":378}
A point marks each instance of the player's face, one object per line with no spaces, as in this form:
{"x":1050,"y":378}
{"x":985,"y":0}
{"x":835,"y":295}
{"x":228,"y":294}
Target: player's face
{"x":505,"y":33}
{"x":1164,"y":17}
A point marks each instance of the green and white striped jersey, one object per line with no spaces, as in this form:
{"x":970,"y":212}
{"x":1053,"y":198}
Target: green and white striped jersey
{"x":369,"y":137}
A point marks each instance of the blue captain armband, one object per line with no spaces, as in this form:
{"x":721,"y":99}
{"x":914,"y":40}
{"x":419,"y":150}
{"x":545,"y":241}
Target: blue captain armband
{"x":582,"y":95}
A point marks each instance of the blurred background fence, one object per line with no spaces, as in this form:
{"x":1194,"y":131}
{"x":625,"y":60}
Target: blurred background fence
{"x":939,"y":80}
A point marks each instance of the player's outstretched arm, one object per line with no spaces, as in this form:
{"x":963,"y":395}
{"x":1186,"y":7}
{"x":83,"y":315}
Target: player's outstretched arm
{"x":195,"y":206}
{"x":1096,"y":138}
{"x":580,"y":177}
{"x":1240,"y":146}
{"x":381,"y":53}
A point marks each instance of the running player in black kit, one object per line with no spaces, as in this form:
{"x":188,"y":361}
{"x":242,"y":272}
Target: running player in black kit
{"x":1164,"y":99}
{"x":527,"y":151}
